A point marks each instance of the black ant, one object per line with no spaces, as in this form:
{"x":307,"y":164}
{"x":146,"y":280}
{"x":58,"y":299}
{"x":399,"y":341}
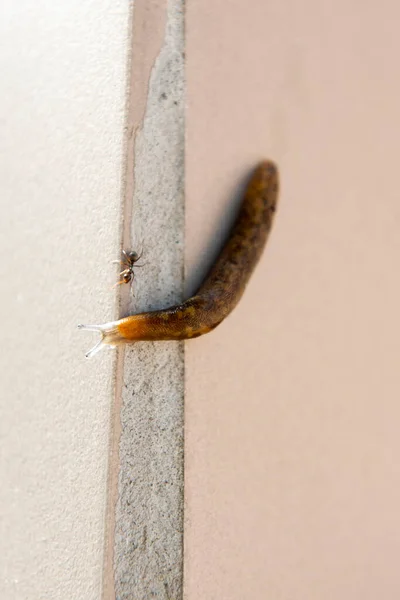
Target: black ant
{"x":129,"y":260}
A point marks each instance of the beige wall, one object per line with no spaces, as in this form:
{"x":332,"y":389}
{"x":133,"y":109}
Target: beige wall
{"x":292,"y":405}
{"x":62,"y":107}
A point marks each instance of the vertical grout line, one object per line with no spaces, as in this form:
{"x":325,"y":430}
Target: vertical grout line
{"x":149,"y":508}
{"x":145,"y":18}
{"x":142,"y":19}
{"x":183,"y":291}
{"x":108,"y":587}
{"x":127,"y":183}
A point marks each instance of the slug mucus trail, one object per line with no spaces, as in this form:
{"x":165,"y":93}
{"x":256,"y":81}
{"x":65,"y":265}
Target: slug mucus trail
{"x":225,"y":283}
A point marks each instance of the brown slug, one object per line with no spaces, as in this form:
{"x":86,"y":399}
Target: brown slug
{"x":224,"y":285}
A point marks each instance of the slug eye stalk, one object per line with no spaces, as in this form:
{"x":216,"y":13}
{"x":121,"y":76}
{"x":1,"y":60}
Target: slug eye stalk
{"x":110,"y":336}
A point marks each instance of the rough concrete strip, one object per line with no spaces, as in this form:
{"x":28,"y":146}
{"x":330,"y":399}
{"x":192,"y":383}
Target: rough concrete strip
{"x":149,"y":515}
{"x":148,"y":30}
{"x":146,"y":33}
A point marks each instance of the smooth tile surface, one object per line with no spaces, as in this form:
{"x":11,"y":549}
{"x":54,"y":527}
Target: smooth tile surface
{"x":292,"y":471}
{"x":62,"y":110}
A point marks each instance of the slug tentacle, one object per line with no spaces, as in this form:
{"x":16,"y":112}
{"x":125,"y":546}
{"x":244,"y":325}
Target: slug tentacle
{"x":224,"y":285}
{"x":110,"y":336}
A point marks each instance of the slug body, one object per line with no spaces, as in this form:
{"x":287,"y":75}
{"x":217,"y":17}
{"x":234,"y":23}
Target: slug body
{"x":224,"y":285}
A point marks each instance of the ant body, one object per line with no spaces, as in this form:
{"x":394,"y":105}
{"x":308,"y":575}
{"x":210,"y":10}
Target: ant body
{"x":129,"y":260}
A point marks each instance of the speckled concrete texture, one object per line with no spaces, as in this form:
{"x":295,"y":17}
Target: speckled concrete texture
{"x":62,"y":103}
{"x":148,"y":530}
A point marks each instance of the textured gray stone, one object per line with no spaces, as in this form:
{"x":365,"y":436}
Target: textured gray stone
{"x":149,"y":512}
